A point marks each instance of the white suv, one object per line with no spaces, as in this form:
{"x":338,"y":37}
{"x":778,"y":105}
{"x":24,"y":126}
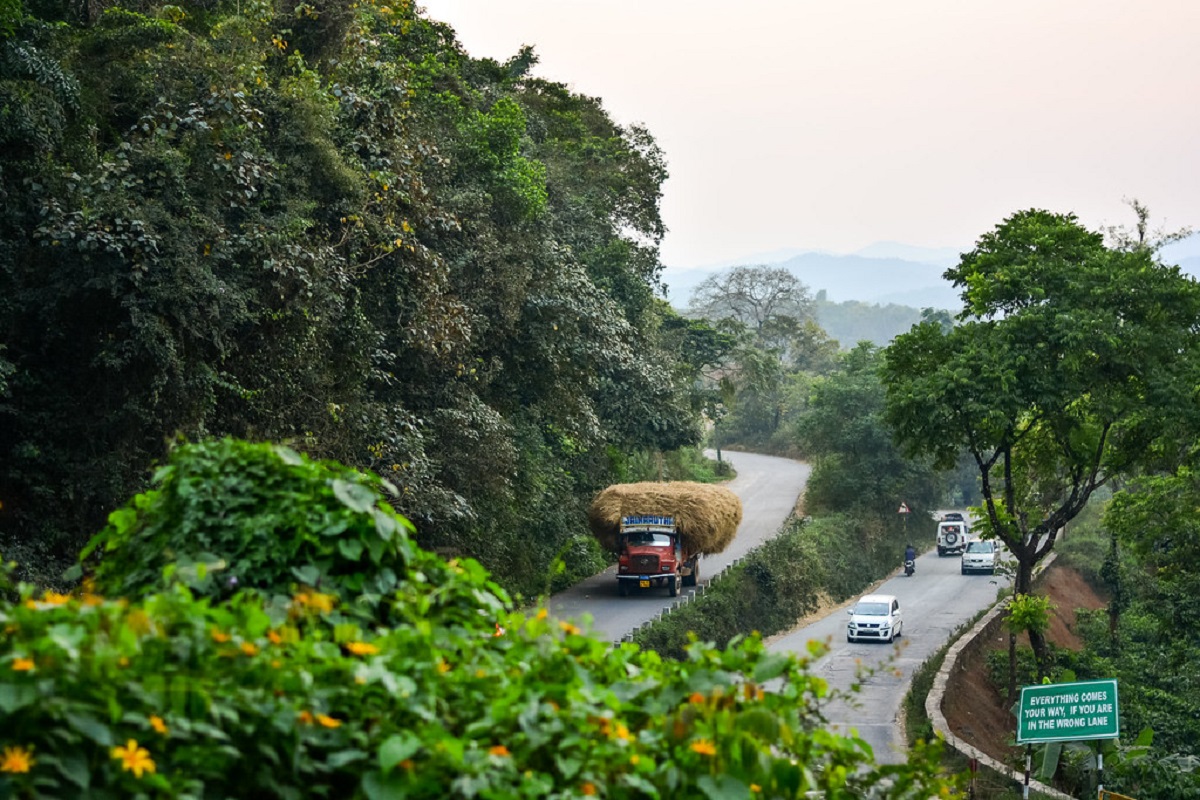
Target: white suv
{"x":951,"y":537}
{"x":875,"y":617}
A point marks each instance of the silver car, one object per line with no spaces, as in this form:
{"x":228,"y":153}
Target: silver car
{"x":980,"y":556}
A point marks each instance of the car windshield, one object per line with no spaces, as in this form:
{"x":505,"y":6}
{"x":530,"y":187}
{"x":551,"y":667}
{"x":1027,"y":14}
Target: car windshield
{"x":981,"y":547}
{"x":872,"y":609}
{"x":645,"y":537}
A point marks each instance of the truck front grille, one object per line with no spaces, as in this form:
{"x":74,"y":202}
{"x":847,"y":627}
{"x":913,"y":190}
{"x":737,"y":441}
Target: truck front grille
{"x":644,"y":565}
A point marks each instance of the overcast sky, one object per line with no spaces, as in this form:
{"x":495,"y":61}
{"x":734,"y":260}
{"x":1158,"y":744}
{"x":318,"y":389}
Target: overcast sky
{"x":834,"y":124}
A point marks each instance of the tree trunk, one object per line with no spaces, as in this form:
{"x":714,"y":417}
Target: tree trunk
{"x":1012,"y":668}
{"x":1040,"y":654}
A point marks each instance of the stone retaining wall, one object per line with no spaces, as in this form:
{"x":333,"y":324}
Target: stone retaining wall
{"x":987,"y":626}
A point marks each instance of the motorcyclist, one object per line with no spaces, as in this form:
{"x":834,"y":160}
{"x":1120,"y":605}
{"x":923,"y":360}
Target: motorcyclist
{"x":910,"y":553}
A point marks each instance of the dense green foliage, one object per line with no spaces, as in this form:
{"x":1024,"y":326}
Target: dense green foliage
{"x":325,"y":225}
{"x":257,"y":516}
{"x":856,"y":464}
{"x":290,"y":692}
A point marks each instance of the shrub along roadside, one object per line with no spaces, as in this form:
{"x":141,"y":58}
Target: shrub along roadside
{"x":834,"y":556}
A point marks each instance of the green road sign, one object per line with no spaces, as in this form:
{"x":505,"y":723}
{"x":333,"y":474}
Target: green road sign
{"x":1061,"y":712}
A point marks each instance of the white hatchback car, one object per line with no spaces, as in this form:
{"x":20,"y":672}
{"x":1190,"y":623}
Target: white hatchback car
{"x":980,"y":556}
{"x":875,"y":617}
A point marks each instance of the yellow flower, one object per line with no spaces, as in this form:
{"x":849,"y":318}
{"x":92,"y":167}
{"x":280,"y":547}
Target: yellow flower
{"x":569,"y":628}
{"x":588,"y":788}
{"x":133,"y":758}
{"x":139,"y":622}
{"x":704,"y":747}
{"x":249,"y":648}
{"x":157,"y":723}
{"x":542,"y":613}
{"x":305,"y":718}
{"x":92,"y":599}
{"x":442,"y":666}
{"x":498,"y":750}
{"x":328,"y":721}
{"x":696,"y":698}
{"x":321,"y":602}
{"x":754,"y":787}
{"x":17,"y":759}
{"x":22,"y":664}
{"x":623,"y":732}
{"x":55,"y":599}
{"x":273,"y":637}
{"x":219,"y":636}
{"x":362,"y":648}
{"x":634,"y":759}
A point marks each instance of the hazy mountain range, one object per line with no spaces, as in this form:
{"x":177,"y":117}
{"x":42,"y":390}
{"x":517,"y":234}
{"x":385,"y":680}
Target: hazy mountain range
{"x":884,"y":273}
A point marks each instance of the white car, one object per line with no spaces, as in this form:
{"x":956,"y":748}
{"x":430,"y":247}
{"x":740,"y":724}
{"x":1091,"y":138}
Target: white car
{"x":875,"y":617}
{"x":980,"y":556}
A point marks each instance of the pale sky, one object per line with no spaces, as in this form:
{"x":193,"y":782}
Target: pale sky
{"x":834,"y":124}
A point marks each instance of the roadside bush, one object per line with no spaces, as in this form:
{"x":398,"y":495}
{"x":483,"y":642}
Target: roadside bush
{"x":287,"y":697}
{"x":229,"y":515}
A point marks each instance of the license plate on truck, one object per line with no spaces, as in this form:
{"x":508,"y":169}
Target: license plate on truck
{"x":644,"y":584}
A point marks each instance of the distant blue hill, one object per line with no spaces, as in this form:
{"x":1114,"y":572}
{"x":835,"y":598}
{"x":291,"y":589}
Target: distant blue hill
{"x":883,"y":273}
{"x":843,"y":278}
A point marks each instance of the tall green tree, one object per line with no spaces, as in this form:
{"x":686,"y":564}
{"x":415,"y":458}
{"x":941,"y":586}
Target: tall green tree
{"x":1071,"y":363}
{"x":857,"y":466}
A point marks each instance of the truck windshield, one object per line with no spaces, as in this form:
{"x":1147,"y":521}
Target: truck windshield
{"x":645,"y":537}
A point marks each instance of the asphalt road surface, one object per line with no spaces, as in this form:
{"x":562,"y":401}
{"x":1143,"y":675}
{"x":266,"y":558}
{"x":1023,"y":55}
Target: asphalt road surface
{"x":768,"y":487}
{"x":934,"y":602}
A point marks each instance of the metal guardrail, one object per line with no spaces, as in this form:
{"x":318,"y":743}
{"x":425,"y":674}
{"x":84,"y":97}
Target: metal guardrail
{"x":682,"y":600}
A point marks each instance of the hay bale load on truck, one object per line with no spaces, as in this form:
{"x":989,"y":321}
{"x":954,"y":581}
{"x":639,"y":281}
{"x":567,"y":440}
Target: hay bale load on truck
{"x":659,"y":530}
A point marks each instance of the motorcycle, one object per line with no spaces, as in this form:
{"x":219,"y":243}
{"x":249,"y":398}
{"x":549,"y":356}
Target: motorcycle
{"x":910,"y":567}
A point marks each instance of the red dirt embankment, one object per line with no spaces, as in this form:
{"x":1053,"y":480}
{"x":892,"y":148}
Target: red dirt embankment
{"x":974,"y":709}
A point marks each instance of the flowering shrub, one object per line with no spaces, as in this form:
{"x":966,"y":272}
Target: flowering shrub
{"x":287,"y":697}
{"x":230,"y":515}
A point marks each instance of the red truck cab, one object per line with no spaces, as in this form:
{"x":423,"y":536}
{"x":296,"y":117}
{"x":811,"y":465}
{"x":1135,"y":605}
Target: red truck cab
{"x":651,"y":552}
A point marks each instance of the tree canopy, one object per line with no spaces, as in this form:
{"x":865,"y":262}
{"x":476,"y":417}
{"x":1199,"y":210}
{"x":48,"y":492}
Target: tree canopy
{"x":1071,"y":364}
{"x":325,"y":225}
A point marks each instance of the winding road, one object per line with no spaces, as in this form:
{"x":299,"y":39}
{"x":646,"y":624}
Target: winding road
{"x":935,"y":602}
{"x":768,"y":487}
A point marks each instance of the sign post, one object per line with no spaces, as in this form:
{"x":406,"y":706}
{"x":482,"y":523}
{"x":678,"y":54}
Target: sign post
{"x":1065,"y":712}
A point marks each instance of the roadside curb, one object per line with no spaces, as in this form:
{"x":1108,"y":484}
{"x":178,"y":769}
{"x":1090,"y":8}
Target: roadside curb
{"x":933,"y":701}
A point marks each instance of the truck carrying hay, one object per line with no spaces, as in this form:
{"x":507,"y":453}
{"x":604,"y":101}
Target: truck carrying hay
{"x":707,"y":516}
{"x":660,"y":530}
